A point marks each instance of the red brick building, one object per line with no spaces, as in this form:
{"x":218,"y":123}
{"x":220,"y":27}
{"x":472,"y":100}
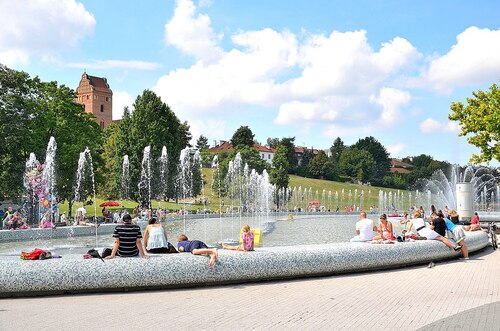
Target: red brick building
{"x":94,"y":93}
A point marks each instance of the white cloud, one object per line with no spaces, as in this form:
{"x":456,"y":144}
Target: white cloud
{"x":121,"y":99}
{"x":108,"y":64}
{"x":431,"y":125}
{"x":475,"y":58}
{"x":391,"y":101}
{"x":192,"y":34}
{"x":395,"y":150}
{"x":41,"y":27}
{"x":336,"y":79}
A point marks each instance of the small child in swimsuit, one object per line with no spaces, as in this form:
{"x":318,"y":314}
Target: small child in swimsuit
{"x":248,"y":240}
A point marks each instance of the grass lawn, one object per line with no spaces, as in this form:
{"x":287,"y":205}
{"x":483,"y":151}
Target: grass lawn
{"x":370,"y":195}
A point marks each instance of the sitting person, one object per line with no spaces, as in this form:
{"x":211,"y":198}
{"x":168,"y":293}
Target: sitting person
{"x":429,"y":234}
{"x":155,"y":238}
{"x":14,"y":221}
{"x":385,"y":229}
{"x":128,"y":240}
{"x":46,"y":222}
{"x":453,"y":216}
{"x":196,"y":247}
{"x":474,"y":224}
{"x":364,"y":229}
{"x":458,"y":234}
{"x":248,"y":240}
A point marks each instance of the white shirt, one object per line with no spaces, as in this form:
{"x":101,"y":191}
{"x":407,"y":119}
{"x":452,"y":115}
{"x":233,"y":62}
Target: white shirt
{"x":365,"y":228}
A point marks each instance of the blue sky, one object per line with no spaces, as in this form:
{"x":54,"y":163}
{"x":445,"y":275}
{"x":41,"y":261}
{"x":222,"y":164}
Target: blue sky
{"x":314,"y":70}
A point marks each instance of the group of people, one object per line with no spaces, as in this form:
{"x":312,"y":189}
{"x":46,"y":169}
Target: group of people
{"x":13,"y":221}
{"x":436,"y":229}
{"x":128,"y":241}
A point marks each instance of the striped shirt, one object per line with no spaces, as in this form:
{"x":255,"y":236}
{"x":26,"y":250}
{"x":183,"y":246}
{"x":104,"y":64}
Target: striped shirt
{"x":127,"y":234}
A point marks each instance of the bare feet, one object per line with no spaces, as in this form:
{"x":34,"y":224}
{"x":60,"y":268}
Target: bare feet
{"x":213,"y":258}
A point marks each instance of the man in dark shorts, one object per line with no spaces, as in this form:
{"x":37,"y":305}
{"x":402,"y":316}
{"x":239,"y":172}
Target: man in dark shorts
{"x":128,"y":240}
{"x":196,"y":247}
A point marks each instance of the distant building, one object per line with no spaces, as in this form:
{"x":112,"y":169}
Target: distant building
{"x":401,"y":167}
{"x":94,"y":93}
{"x":266,"y":153}
{"x":300,"y":151}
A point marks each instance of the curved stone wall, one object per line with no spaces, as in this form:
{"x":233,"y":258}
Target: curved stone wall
{"x":73,"y":274}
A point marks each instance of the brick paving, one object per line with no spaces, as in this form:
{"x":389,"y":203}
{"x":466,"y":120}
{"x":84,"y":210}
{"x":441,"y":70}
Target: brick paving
{"x":453,"y":295}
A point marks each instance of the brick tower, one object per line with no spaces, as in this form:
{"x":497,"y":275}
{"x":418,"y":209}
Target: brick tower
{"x":94,"y":93}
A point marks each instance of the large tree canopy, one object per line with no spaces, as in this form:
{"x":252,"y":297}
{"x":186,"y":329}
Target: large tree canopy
{"x":357,"y":164}
{"x":243,"y":137}
{"x":479,"y":120}
{"x":279,"y":172}
{"x":379,"y":154}
{"x":31,"y":111}
{"x":152,"y":124}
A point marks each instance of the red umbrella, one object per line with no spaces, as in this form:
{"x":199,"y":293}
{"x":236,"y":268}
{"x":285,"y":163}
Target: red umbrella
{"x":109,"y":204}
{"x":314,"y":202}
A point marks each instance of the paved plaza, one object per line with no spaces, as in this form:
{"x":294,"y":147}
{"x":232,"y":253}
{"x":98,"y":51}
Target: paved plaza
{"x":453,"y":295}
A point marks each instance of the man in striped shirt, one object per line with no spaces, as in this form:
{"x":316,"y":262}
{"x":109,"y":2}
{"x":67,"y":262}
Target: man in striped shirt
{"x":127,"y":239}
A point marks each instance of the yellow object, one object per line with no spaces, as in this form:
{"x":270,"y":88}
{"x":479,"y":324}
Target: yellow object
{"x":256,"y":238}
{"x":290,"y":217}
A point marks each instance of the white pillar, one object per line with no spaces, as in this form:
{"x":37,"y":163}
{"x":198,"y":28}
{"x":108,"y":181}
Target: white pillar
{"x":465,"y":201}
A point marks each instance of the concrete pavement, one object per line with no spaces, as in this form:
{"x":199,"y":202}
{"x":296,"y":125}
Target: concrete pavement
{"x":453,"y":295}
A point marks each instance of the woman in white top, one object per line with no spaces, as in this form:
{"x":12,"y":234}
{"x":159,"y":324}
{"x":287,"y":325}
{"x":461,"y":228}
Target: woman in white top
{"x":426,"y":232}
{"x":155,"y":237}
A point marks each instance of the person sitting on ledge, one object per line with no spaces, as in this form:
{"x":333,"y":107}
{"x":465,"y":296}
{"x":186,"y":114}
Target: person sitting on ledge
{"x":248,"y":240}
{"x":196,"y":247}
{"x":128,"y":240}
{"x":429,"y":234}
{"x":385,"y":229}
{"x":364,"y":229}
{"x":155,"y":238}
{"x":474,"y":224}
{"x":458,"y":234}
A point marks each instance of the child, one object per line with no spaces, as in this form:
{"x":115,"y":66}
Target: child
{"x":196,"y":247}
{"x":248,"y":240}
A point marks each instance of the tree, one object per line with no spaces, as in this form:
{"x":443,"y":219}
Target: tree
{"x":291,"y":156}
{"x":202,"y":143}
{"x":273,"y":142}
{"x":336,"y":149}
{"x":32,"y":111}
{"x":420,"y":161}
{"x":243,"y":137}
{"x":110,"y":187}
{"x":152,"y":124}
{"x":320,"y":166}
{"x":279,"y":172}
{"x":379,"y":154}
{"x":479,"y":120}
{"x":358,"y":164}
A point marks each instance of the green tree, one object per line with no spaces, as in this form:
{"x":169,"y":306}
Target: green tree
{"x":291,"y":156}
{"x":110,"y":187}
{"x":336,"y":149}
{"x":202,"y":143}
{"x":320,"y":166}
{"x":357,"y":163}
{"x":17,"y":107}
{"x":379,"y":154}
{"x":479,"y":121}
{"x":279,"y":172}
{"x":73,"y":129}
{"x":420,"y":161}
{"x":152,"y":124}
{"x":243,"y":137}
{"x":273,"y":142}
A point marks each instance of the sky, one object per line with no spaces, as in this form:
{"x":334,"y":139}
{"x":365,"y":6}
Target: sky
{"x":313,"y":70}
